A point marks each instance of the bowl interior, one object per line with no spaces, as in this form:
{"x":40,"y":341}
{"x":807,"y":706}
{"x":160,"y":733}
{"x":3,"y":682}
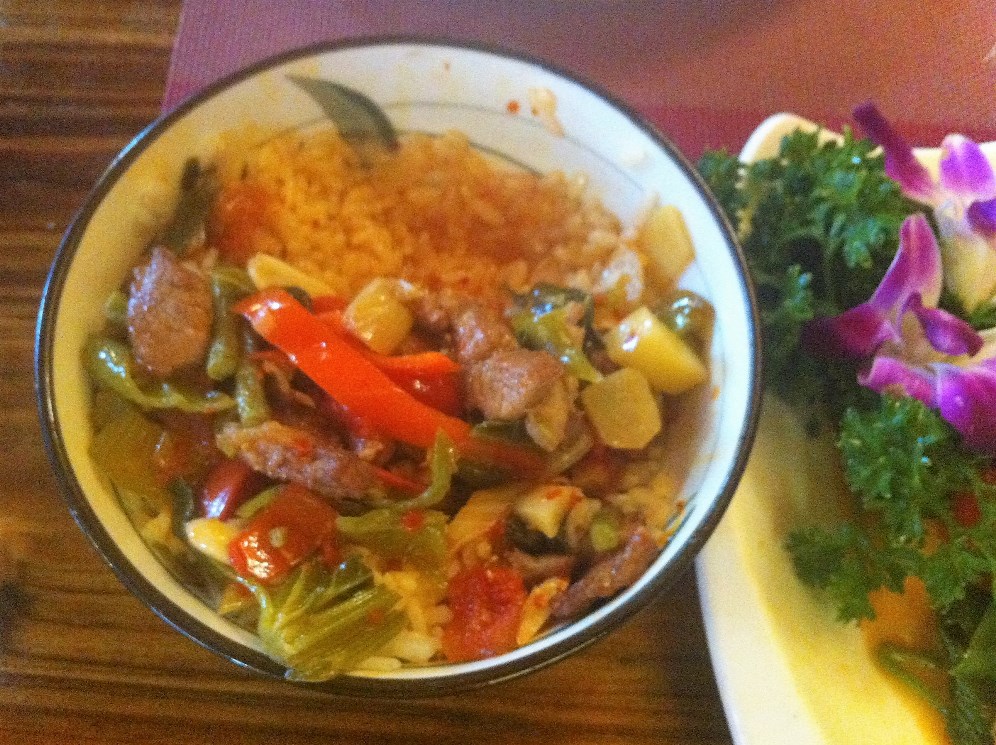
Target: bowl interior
{"x":422,"y":87}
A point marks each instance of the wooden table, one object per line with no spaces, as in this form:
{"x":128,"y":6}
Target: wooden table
{"x":82,"y":661}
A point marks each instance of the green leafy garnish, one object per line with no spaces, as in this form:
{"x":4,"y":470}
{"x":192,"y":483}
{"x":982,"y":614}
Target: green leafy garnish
{"x":819,"y":224}
{"x":904,"y":464}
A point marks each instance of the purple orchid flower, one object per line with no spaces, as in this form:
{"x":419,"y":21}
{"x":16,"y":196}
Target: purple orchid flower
{"x":963,"y":199}
{"x":966,"y":187}
{"x":964,"y":396}
{"x":911,"y":341}
{"x":910,"y":287}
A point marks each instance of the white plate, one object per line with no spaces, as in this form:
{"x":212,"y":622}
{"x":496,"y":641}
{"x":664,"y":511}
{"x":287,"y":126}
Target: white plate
{"x":788,"y":673}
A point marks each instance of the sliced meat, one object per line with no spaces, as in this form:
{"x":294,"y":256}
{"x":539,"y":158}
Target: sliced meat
{"x":535,"y":569}
{"x":609,"y":575}
{"x":478,"y":332}
{"x":434,"y":312}
{"x":288,"y":453}
{"x":510,"y":382}
{"x":170,"y":313}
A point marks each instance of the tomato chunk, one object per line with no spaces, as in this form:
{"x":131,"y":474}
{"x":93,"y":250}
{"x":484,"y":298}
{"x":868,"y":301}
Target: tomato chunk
{"x":239,"y":213}
{"x":486,"y":603}
{"x":288,"y":530}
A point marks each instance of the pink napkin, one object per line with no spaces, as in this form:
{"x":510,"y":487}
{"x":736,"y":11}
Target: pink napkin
{"x":591,"y":38}
{"x":642,"y":51}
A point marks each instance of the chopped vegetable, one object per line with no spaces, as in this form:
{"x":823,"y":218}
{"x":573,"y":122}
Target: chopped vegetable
{"x":116,"y":309}
{"x":481,"y":514}
{"x":545,"y":507}
{"x":227,"y":285}
{"x":546,"y":321}
{"x":442,"y":466}
{"x":431,"y":377}
{"x":323,"y":621}
{"x":640,"y":341}
{"x":229,"y":484}
{"x":112,"y":365}
{"x":665,"y":238}
{"x":487,"y":603}
{"x":414,"y":536}
{"x":251,"y":506}
{"x":269,"y":271}
{"x":623,"y":410}
{"x":250,"y":396}
{"x":537,"y":609}
{"x":212,"y":537}
{"x":124,"y":449}
{"x":198,"y":189}
{"x":236,"y":217}
{"x":546,"y":422}
{"x":688,"y":315}
{"x":378,"y":315}
{"x":605,"y":532}
{"x":288,"y":530}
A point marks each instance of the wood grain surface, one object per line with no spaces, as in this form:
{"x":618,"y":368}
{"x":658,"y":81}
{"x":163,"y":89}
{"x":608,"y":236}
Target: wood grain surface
{"x":81,"y":660}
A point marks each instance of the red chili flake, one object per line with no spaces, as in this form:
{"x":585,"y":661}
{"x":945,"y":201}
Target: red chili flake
{"x":513,"y":107}
{"x":376,"y":617}
{"x":413,"y":520}
{"x":303,"y":445}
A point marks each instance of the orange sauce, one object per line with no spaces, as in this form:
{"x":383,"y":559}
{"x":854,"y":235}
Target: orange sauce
{"x":907,"y":620}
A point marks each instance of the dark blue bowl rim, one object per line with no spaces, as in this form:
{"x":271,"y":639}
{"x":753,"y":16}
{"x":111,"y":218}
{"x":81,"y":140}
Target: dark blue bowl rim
{"x":248,"y":658}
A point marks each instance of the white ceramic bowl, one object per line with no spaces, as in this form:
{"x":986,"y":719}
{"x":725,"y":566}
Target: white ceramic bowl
{"x":423,"y":86}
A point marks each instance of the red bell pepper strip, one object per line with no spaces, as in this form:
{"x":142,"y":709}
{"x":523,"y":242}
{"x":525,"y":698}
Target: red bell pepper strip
{"x":398,"y":481}
{"x":354,"y":380}
{"x":328,"y":304}
{"x":443,"y":392}
{"x":431,"y":377}
{"x":425,"y":364}
{"x":285,"y":532}
{"x":229,"y":485}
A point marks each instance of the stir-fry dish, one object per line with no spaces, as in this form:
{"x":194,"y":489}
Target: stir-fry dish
{"x":877,"y":282}
{"x":400,"y":405}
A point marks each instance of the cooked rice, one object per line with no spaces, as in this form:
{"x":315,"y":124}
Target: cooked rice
{"x":435,"y":211}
